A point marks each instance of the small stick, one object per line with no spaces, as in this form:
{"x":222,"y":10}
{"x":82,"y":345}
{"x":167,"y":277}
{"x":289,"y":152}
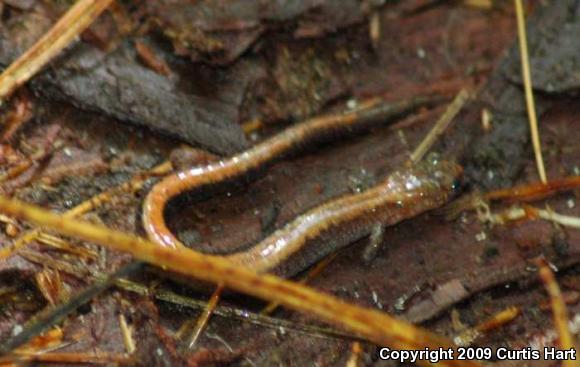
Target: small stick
{"x":499,"y":319}
{"x":252,"y":126}
{"x":151,"y":60}
{"x":127,"y":333}
{"x":78,"y":18}
{"x":135,"y":184}
{"x":469,"y":336}
{"x":534,"y":191}
{"x":522,"y":193}
{"x":440,"y":126}
{"x":486,"y":119}
{"x":205,"y":316}
{"x":531,"y":107}
{"x":375,"y":28}
{"x":355,"y":355}
{"x":558,"y":309}
{"x":47,"y":341}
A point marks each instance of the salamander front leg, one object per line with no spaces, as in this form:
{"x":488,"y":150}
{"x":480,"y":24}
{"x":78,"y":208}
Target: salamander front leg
{"x":375,"y":242}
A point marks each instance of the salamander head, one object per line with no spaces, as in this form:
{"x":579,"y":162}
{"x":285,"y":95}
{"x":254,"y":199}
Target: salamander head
{"x":446,"y":174}
{"x":432,"y":177}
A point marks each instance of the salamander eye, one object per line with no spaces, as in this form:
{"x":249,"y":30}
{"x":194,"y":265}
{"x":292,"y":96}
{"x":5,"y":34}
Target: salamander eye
{"x":456,"y":185}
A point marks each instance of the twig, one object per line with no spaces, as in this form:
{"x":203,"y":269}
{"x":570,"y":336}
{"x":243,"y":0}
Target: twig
{"x":205,"y":316}
{"x":558,"y":309}
{"x":440,"y":126}
{"x":535,"y":191}
{"x":371,"y":325}
{"x":531,"y":107}
{"x":78,"y":18}
{"x":469,"y":336}
{"x":151,"y":60}
{"x":50,"y":340}
{"x":499,"y":319}
{"x":522,"y":193}
{"x":355,"y":355}
{"x":126,"y":332}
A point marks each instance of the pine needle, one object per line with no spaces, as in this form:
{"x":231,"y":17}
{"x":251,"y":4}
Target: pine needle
{"x":531,"y":107}
{"x":559,"y":311}
{"x":78,"y":18}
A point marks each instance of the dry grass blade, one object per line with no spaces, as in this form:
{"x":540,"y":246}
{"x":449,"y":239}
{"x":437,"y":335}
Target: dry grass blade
{"x":68,"y":27}
{"x":369,"y":324}
{"x":440,"y":126}
{"x":526,"y":75}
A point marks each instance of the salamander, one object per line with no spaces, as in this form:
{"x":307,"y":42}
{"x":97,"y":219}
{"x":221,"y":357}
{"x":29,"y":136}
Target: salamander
{"x":323,"y":229}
